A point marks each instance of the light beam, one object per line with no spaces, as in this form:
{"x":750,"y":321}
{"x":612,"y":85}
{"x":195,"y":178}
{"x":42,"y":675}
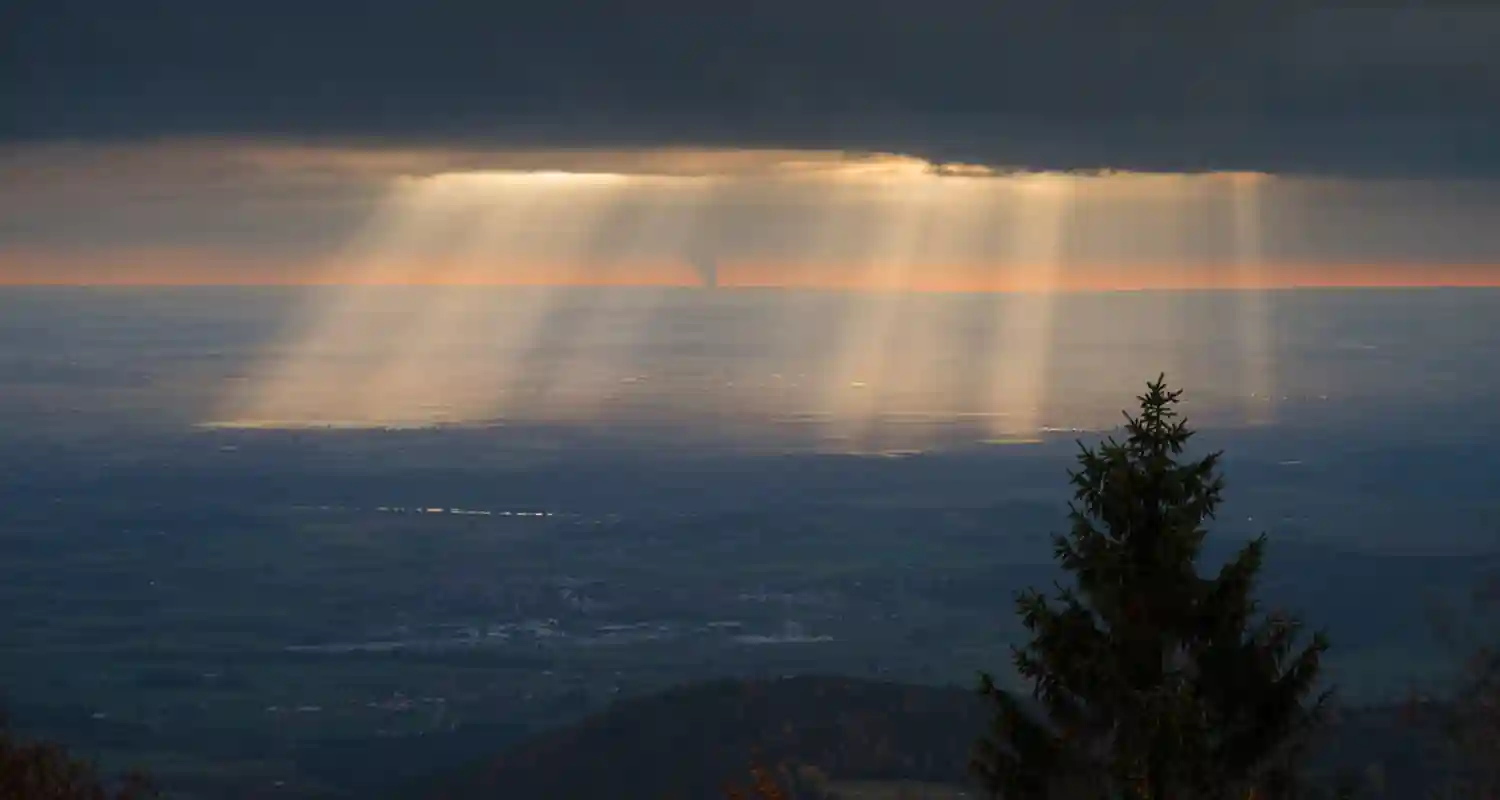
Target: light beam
{"x":567,"y":347}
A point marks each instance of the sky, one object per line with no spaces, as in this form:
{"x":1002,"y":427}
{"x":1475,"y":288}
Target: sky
{"x":1160,"y":143}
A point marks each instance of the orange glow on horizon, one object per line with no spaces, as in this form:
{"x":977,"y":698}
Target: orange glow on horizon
{"x":197,"y":267}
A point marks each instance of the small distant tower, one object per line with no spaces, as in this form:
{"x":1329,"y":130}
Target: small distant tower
{"x":706,"y":266}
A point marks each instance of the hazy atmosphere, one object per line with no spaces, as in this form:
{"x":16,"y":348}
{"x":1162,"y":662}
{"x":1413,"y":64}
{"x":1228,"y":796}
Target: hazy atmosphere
{"x":423,"y":401}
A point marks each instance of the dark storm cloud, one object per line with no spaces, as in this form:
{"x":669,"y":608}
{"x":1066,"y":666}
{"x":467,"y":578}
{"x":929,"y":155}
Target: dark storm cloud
{"x":1154,"y":84}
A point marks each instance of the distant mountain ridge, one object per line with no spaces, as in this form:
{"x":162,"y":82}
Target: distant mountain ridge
{"x":690,"y":741}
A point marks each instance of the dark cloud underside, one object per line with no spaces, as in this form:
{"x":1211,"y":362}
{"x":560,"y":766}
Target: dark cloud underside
{"x":1162,"y":84}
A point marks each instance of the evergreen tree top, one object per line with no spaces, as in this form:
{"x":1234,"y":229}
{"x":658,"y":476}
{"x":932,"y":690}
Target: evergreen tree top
{"x":1155,"y":682}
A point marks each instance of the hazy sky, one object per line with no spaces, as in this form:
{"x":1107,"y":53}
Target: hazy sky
{"x":165,"y":140}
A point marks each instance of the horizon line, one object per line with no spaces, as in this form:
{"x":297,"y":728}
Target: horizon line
{"x":746,"y":287}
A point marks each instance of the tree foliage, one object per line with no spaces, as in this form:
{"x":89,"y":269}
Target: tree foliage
{"x":763,"y":786}
{"x":785,"y":782}
{"x":1149,"y":681}
{"x":1472,"y":718}
{"x":47,"y":771}
{"x":1477,"y":728}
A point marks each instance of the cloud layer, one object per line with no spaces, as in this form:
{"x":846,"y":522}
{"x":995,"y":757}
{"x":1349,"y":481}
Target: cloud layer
{"x":1289,"y":86}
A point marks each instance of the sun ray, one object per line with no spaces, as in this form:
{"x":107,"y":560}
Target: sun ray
{"x":866,"y":361}
{"x":1257,"y":387}
{"x":432,"y":370}
{"x":942,"y":333}
{"x":1022,"y":347}
{"x":1168,"y":246}
{"x":307,"y":379}
{"x":554,"y":222}
{"x":614,"y":360}
{"x":861,"y":384}
{"x":369,"y":355}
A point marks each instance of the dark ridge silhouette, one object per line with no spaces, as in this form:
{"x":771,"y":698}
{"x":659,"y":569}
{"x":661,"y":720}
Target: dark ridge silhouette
{"x":691,"y":741}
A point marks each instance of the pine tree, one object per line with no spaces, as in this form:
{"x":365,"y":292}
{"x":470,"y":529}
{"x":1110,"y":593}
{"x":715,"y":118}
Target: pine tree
{"x":1152,"y":683}
{"x":39,"y":770}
